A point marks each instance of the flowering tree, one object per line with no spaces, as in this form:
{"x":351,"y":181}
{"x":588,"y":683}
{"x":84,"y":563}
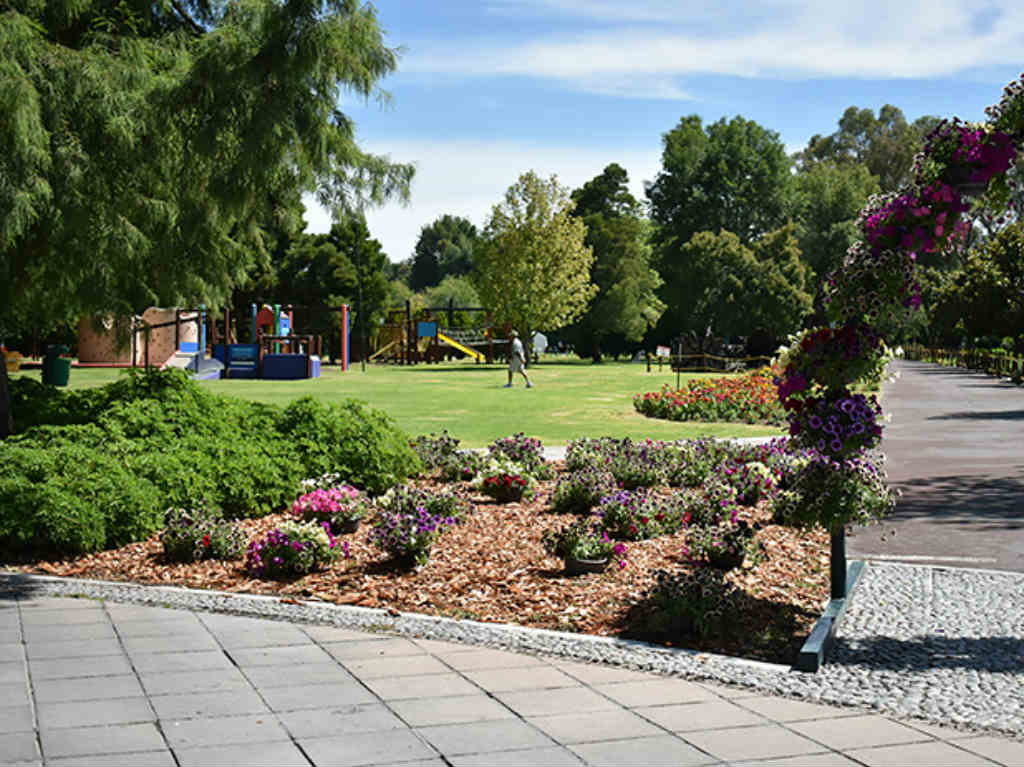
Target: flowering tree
{"x":878,"y":281}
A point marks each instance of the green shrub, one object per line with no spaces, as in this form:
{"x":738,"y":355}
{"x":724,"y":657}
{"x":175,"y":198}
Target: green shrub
{"x":71,"y":499}
{"x":361,"y":444}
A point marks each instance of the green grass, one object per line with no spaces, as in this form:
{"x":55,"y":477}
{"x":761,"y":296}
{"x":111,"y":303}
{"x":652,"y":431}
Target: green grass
{"x":570,"y":399}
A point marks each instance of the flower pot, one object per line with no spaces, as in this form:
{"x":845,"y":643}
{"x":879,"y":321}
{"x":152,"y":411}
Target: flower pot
{"x":503,"y":494}
{"x":344,"y":526}
{"x":574,"y":566}
{"x":725,"y":560}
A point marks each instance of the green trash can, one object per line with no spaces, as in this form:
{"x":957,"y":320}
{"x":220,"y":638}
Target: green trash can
{"x":56,"y":369}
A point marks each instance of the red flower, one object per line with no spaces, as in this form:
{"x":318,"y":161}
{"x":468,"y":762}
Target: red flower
{"x":206,"y":540}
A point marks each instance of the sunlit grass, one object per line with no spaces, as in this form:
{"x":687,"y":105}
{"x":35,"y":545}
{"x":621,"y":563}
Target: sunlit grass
{"x":570,"y":399}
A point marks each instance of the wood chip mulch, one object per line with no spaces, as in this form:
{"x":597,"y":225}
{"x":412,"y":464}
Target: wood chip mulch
{"x":494,"y":568}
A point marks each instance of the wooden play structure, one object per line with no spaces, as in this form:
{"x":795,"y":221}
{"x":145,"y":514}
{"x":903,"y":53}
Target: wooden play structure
{"x":406,"y":339}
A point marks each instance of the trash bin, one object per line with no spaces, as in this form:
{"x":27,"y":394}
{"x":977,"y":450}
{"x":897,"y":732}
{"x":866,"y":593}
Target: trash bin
{"x":56,"y":369}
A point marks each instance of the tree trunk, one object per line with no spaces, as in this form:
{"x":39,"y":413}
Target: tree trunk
{"x":595,"y":353}
{"x":6,"y":417}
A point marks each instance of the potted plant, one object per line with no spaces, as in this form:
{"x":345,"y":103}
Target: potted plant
{"x":723,"y":547}
{"x":584,"y":547}
{"x":504,"y":480}
{"x":342,"y":507}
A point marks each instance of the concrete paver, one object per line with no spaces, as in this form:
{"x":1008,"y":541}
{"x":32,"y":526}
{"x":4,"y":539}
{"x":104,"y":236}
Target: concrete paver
{"x":659,"y":751}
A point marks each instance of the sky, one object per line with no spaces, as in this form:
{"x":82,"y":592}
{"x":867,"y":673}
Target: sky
{"x":488,"y":89}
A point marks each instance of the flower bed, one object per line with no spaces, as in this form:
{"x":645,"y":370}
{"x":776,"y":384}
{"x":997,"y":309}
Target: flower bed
{"x":491,"y":565}
{"x":748,"y":399}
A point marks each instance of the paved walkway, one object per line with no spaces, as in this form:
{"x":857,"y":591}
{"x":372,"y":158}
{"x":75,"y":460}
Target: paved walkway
{"x":955,"y":449}
{"x":98,"y":683}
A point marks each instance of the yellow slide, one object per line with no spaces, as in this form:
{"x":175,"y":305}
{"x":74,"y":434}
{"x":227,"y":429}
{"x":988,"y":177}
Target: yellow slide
{"x":461,"y":347}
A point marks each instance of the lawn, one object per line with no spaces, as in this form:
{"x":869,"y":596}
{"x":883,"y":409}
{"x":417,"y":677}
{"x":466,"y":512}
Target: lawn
{"x":570,"y":399}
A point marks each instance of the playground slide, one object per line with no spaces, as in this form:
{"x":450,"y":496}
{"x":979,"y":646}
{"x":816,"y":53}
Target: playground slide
{"x":462,"y":348}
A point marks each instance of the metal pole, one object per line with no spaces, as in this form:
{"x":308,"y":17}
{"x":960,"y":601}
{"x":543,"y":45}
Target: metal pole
{"x":838,"y":563}
{"x":362,"y":309}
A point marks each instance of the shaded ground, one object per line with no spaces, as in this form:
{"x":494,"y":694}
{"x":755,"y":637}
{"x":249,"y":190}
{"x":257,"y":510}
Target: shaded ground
{"x":955,"y":450}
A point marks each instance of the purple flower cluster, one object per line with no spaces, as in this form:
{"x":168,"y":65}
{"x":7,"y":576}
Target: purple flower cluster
{"x":293,"y":549}
{"x":405,"y":533}
{"x":963,"y":153}
{"x":842,"y":427}
{"x":916,"y":222}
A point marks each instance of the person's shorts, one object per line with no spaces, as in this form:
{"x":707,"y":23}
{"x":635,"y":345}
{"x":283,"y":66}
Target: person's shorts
{"x":515,"y":365}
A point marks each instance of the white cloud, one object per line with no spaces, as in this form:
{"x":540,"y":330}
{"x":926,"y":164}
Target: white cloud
{"x":467,"y":178}
{"x":650,"y":44}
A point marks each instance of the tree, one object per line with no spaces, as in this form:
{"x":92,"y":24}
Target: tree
{"x":826,"y":201}
{"x":445,"y":247}
{"x":148,"y":145}
{"x":731,"y":176}
{"x":533,"y":271}
{"x":885,"y":144}
{"x":986,"y":297}
{"x":461,"y":293}
{"x":626,"y":304}
{"x":737,"y":290}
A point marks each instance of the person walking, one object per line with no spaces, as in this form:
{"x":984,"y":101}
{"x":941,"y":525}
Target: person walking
{"x":516,"y":359}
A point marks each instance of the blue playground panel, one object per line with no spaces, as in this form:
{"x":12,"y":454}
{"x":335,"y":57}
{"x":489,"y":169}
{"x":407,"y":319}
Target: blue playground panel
{"x":289,"y":367}
{"x":240,"y":360}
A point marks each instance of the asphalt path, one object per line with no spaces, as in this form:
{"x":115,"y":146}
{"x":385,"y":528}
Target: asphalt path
{"x":955,"y":450}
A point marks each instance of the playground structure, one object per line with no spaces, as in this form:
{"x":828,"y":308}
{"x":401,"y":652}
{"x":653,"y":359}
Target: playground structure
{"x":277,"y":353}
{"x":408,"y":340}
{"x":177,"y":337}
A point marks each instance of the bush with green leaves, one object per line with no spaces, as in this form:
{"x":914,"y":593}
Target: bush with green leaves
{"x":168,"y":441}
{"x":201,"y":532}
{"x":69,"y":499}
{"x":588,"y":452}
{"x":579,"y":491}
{"x":361,"y":443}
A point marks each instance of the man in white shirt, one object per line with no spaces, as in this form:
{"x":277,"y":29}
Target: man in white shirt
{"x":516,"y":360}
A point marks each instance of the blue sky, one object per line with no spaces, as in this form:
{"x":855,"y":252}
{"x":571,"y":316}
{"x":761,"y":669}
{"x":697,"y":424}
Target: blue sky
{"x":489,"y":89}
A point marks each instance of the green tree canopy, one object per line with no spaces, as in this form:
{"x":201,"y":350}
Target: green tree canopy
{"x":148,"y":145}
{"x":626,"y":304}
{"x":534,"y":270}
{"x":736,"y":290}
{"x":730,"y":175}
{"x":986,"y":296}
{"x":445,"y":247}
{"x":826,"y":201}
{"x":885,"y":143}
